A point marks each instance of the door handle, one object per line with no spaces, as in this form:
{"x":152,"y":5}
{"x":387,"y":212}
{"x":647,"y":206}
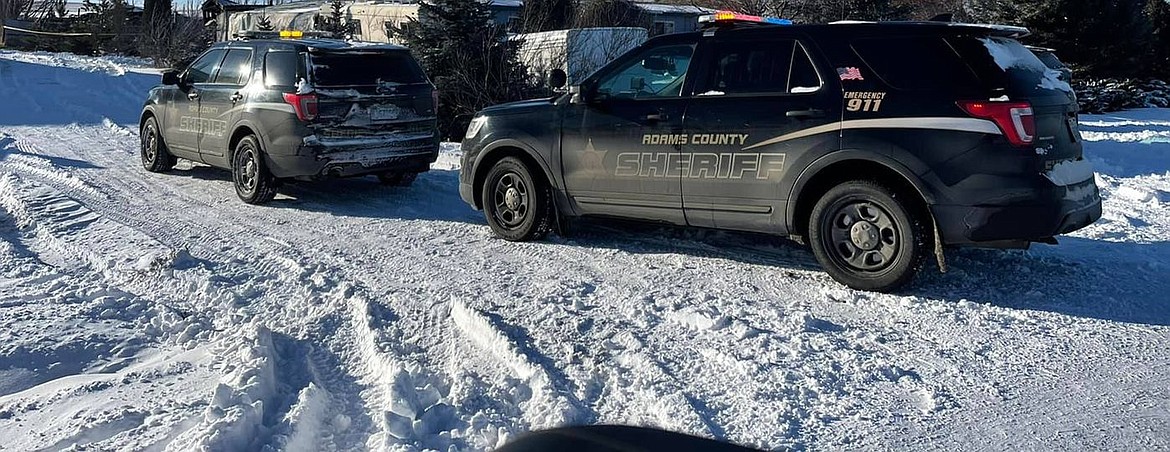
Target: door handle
{"x":237,"y":97}
{"x":653,"y":117}
{"x":806,"y":114}
{"x":193,"y":95}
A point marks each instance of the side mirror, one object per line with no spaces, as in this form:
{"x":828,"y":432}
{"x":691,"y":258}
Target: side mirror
{"x":658,"y":65}
{"x":557,"y":79}
{"x":170,"y":77}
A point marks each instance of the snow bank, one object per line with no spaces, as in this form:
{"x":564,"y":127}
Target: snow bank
{"x":235,"y":418}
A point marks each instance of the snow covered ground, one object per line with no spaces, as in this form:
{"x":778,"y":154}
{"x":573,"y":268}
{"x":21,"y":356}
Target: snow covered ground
{"x":157,"y":312}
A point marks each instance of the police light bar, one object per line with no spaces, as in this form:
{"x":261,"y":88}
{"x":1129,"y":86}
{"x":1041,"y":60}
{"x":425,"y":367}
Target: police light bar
{"x":722,"y":17}
{"x":282,"y":34}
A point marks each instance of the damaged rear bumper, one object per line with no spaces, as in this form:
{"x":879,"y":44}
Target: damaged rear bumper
{"x":321,"y":157}
{"x":1050,"y":212}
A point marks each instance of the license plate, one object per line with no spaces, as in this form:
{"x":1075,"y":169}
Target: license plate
{"x":385,"y":113}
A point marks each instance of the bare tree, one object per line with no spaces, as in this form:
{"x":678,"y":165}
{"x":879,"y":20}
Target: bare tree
{"x":174,"y":39}
{"x":13,"y":9}
{"x":609,"y":13}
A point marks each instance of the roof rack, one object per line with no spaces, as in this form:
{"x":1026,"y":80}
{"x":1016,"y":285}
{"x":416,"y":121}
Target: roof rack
{"x":282,"y":34}
{"x":734,"y":18}
{"x":1007,"y":31}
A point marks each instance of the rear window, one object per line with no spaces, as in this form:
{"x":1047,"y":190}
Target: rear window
{"x":916,"y":63}
{"x":1005,"y":63}
{"x":365,"y":68}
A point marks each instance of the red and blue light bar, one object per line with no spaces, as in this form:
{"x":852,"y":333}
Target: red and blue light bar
{"x":730,"y":16}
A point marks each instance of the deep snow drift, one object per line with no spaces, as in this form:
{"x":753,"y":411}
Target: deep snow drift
{"x":157,"y":312}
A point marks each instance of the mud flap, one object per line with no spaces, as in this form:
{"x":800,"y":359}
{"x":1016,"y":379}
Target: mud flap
{"x":562,"y":223}
{"x":938,"y":249}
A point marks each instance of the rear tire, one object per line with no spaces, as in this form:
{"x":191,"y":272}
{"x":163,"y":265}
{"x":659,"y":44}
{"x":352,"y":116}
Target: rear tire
{"x":156,"y":158}
{"x":518,"y":207}
{"x":867,"y":236}
{"x":254,"y":184}
{"x":397,"y":179}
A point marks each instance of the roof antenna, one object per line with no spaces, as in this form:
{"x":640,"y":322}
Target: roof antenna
{"x":944,"y":17}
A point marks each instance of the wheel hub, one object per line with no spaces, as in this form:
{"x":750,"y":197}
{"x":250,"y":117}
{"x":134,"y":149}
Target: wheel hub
{"x":864,"y":235}
{"x":512,"y":199}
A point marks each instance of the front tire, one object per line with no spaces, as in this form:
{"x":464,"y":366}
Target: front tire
{"x":867,"y":236}
{"x":254,"y":184}
{"x":156,"y":158}
{"x":518,"y":207}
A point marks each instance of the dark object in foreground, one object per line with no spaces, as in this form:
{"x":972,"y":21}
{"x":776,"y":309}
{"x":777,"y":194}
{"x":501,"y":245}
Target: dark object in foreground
{"x":615,"y":438}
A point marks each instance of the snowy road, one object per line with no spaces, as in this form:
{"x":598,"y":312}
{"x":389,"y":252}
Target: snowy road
{"x":157,"y":312}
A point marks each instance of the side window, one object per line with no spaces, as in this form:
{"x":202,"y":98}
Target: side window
{"x":804,"y":77}
{"x":236,"y":68}
{"x":655,"y":73}
{"x":915,"y":63}
{"x":661,"y":27}
{"x":280,"y":68}
{"x":204,"y":68}
{"x":779,"y":67}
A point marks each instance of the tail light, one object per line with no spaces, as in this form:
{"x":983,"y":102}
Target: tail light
{"x":1015,"y":119}
{"x":304,"y":104}
{"x":435,"y":100}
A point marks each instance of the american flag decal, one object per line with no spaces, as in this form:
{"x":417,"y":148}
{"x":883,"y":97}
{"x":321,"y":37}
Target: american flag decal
{"x":850,"y":73}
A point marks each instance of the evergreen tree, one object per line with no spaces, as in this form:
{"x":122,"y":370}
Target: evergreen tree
{"x":108,"y":23}
{"x":1099,"y":38}
{"x":470,"y":60}
{"x":546,"y":15}
{"x":264,"y":24}
{"x":1158,"y":16}
{"x":336,"y":24}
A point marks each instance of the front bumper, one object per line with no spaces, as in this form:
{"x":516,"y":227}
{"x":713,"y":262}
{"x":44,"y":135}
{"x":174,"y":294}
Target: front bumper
{"x":1053,"y":211}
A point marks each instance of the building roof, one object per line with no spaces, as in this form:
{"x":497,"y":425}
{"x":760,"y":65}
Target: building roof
{"x":665,"y":8}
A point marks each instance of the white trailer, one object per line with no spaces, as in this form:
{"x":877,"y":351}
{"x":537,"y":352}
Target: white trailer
{"x":579,"y":51}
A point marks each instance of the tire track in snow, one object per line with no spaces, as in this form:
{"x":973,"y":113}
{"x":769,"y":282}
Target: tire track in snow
{"x":553,"y":403}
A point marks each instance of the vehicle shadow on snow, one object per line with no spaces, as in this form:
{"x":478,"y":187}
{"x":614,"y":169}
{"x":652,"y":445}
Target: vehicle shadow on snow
{"x":1085,"y":278}
{"x":433,"y":196}
{"x":650,"y":238}
{"x":8,"y":147}
{"x":1096,"y":279}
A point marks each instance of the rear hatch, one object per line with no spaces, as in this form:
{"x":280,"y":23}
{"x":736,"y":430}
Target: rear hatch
{"x":372,"y":93}
{"x":1015,"y":75}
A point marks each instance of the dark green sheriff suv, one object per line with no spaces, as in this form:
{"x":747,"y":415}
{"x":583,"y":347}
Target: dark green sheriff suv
{"x":877,"y":144}
{"x":271,"y":110}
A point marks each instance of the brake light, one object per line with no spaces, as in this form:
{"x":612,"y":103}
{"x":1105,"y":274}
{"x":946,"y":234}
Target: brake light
{"x":1015,"y":119}
{"x":305,"y":105}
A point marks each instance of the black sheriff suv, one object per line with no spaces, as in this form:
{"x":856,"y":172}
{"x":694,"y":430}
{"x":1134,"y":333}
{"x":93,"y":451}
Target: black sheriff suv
{"x":877,"y":144}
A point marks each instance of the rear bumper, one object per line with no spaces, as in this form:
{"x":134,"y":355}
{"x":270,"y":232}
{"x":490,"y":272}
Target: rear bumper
{"x":1054,"y":211}
{"x":315,"y":162}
